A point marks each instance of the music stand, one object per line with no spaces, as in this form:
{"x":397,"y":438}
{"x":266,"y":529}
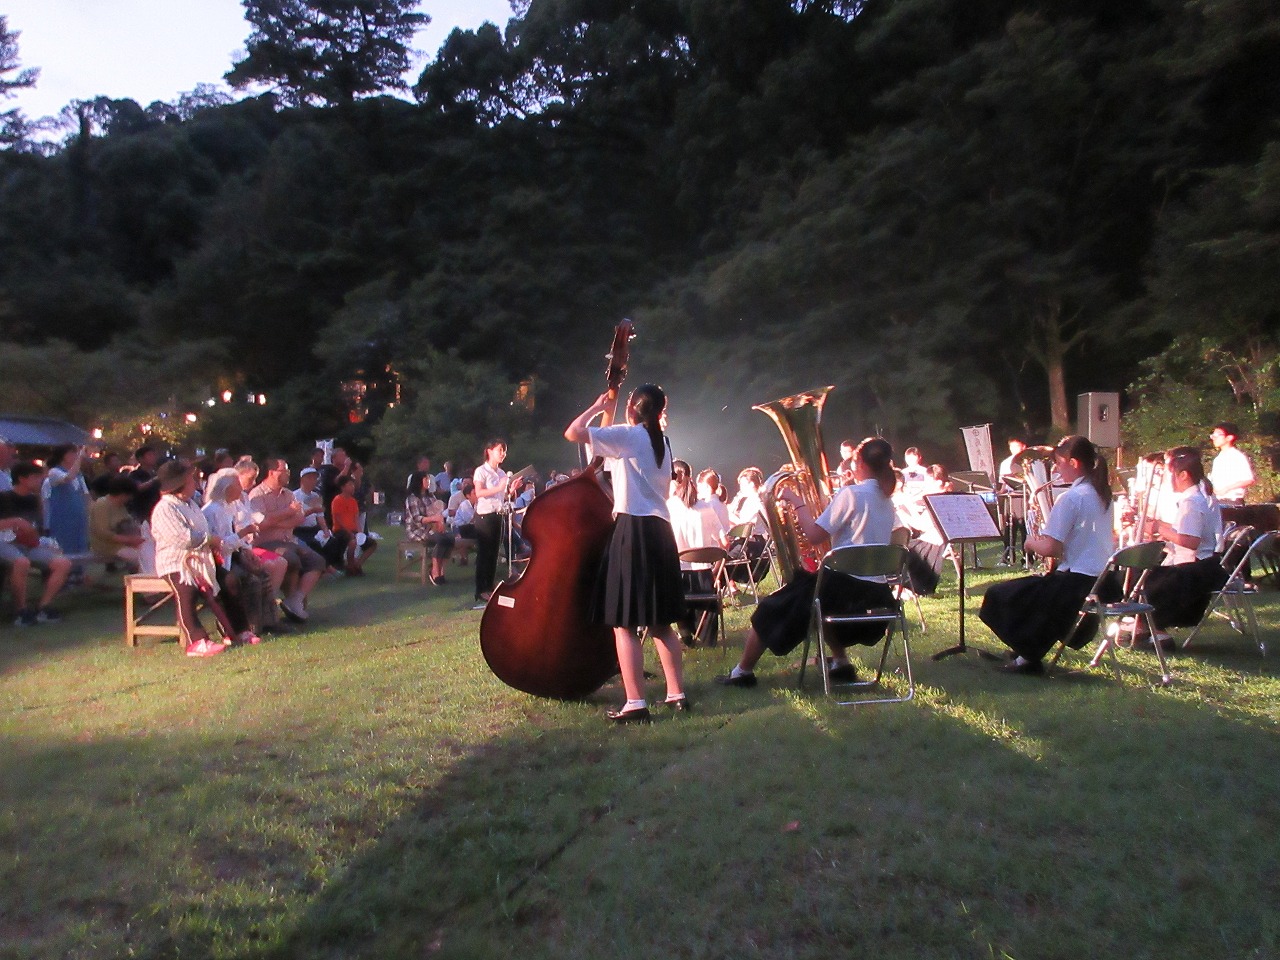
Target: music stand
{"x":961,"y":518}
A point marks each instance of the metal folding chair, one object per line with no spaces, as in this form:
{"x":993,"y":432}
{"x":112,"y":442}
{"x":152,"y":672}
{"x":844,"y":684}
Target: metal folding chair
{"x":1130,"y":567}
{"x":741,"y":534}
{"x":901,"y":536}
{"x":880,"y":560}
{"x":710,"y":602}
{"x":1236,"y":596}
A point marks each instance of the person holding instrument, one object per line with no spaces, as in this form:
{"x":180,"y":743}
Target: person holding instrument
{"x":861,"y":512}
{"x":1031,"y":614}
{"x":639,"y":581}
{"x":1180,"y":590}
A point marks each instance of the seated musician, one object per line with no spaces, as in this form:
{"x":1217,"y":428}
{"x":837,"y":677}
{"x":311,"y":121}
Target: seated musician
{"x":1180,"y":590}
{"x":860,"y":513}
{"x":1031,"y":614}
{"x":746,"y":507}
{"x":914,"y":474}
{"x":694,"y":523}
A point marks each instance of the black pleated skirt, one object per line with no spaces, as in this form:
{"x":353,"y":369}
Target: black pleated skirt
{"x":1180,"y":593}
{"x":639,"y":582}
{"x":1031,"y":614}
{"x":924,"y":566}
{"x":782,"y":619}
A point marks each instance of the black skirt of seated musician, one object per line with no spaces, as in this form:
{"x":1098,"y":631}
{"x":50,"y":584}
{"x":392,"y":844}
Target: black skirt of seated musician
{"x":782,"y":619}
{"x":924,"y":566}
{"x":639,"y":580}
{"x":1181,"y":593}
{"x":699,"y":581}
{"x":1031,"y":614}
{"x":753,"y":549}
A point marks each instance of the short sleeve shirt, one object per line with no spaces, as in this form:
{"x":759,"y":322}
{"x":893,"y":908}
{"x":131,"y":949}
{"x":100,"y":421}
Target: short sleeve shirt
{"x":1081,"y":522}
{"x":858,"y":514}
{"x":640,"y":483}
{"x":1230,"y":467}
{"x":1195,"y":516}
{"x":487,"y":477}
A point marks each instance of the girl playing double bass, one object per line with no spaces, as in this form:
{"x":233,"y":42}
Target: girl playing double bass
{"x":639,"y":583}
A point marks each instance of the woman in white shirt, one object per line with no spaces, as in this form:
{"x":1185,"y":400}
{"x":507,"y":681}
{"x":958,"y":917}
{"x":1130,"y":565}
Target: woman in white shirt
{"x":185,"y":558}
{"x":859,"y":513}
{"x":492,"y":485}
{"x":1031,"y":614}
{"x":639,"y":583}
{"x":1180,"y":590}
{"x":695,"y":523}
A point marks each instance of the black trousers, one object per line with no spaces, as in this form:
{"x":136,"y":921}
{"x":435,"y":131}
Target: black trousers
{"x":488,"y":534}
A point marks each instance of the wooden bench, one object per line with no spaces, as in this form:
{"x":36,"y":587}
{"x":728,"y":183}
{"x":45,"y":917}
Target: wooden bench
{"x":412,"y":559}
{"x":147,"y":586}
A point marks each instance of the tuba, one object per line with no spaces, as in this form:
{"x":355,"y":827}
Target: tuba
{"x":798,"y":417}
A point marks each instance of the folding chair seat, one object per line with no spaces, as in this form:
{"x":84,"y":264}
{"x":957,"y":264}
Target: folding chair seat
{"x":709,"y":602}
{"x":1128,"y":566}
{"x":1235,"y":600}
{"x":880,"y":560}
{"x":741,"y":536}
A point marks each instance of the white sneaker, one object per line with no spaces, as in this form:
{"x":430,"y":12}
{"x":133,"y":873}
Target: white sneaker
{"x":293,"y":604}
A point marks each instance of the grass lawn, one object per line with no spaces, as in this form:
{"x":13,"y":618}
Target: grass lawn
{"x":366,"y":788}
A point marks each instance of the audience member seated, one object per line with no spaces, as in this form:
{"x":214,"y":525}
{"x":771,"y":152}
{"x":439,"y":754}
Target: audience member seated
{"x":280,"y":513}
{"x":21,"y":546}
{"x":462,"y":521}
{"x":261,"y":573}
{"x":185,"y":558}
{"x":114,"y":534}
{"x":425,"y":522}
{"x":346,"y":522}
{"x":314,"y":530}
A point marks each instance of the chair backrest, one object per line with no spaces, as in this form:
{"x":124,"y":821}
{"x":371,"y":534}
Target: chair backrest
{"x":1236,"y":541}
{"x":741,"y":532}
{"x":1263,"y":544}
{"x":867,"y":560}
{"x":1141,"y":556}
{"x":710,"y":555}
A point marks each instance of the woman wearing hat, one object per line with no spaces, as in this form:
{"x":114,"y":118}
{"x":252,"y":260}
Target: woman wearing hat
{"x":185,"y":558}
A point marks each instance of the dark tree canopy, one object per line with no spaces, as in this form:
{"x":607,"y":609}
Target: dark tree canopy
{"x":327,"y":51}
{"x":13,"y":125}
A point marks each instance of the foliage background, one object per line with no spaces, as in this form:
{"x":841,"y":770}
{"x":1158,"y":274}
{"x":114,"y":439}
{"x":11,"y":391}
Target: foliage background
{"x":954,"y":215}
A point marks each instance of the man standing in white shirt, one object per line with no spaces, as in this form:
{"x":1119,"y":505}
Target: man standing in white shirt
{"x":1232,"y":474}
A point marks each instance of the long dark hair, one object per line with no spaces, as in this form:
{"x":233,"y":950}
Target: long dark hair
{"x":1076,"y":447}
{"x":648,"y":401}
{"x":1188,"y":459}
{"x":682,"y":477}
{"x":877,"y":455}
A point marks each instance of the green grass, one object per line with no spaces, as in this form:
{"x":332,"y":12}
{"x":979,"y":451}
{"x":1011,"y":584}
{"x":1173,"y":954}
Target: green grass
{"x":366,"y":788}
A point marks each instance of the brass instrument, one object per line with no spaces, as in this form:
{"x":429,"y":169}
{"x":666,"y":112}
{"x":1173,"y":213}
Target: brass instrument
{"x":1144,"y":494}
{"x":799,"y":418}
{"x":1036,"y":464}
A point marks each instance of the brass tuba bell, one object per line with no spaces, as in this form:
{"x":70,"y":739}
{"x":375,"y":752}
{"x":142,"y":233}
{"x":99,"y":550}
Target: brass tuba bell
{"x":799,"y":418}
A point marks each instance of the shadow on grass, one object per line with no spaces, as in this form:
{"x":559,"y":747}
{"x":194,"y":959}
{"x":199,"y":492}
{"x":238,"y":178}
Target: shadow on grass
{"x":793,"y":829}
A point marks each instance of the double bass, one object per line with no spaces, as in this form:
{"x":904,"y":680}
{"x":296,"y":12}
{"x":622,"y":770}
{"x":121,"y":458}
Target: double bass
{"x":535,"y":634}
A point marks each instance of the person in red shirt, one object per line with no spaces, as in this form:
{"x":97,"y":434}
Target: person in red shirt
{"x":346,"y":519}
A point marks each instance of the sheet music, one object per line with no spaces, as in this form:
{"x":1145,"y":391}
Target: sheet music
{"x":962,"y":517}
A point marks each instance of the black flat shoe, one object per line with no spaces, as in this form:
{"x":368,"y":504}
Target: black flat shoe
{"x":729,"y":680}
{"x":637,"y":715}
{"x":683,"y":705}
{"x":842,"y":673}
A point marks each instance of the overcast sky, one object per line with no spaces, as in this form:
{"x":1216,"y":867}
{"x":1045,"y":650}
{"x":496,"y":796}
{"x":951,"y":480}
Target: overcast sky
{"x":155,"y":49}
